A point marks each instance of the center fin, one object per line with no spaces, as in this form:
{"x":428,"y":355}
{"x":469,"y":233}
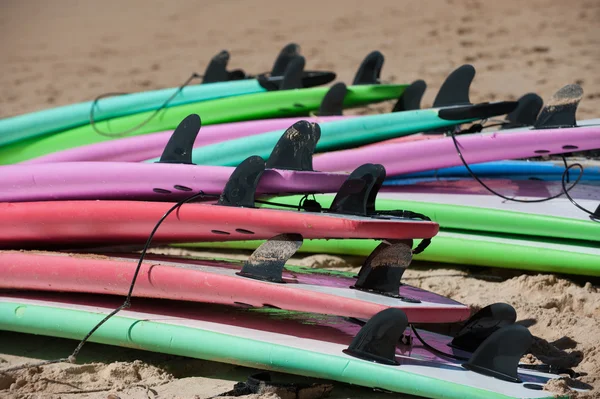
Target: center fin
{"x":370,"y":69}
{"x":216,"y":71}
{"x":267,"y":261}
{"x":560,"y":110}
{"x":526,"y":112}
{"x":357,"y":194}
{"x":180,"y":144}
{"x":240,"y":189}
{"x":295,"y":148}
{"x":410,"y":99}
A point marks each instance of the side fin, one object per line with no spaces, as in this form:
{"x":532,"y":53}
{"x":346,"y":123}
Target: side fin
{"x":290,"y":79}
{"x":286,"y":55}
{"x":240,"y":189}
{"x":410,"y":100}
{"x":376,"y":341}
{"x":498,"y":356}
{"x":370,"y":69}
{"x":526,"y":112}
{"x":180,"y":145}
{"x":358,"y":193}
{"x":455,"y":89}
{"x":382,"y":271}
{"x":267,"y":261}
{"x":216,"y":71}
{"x":333,"y":101}
{"x":483,"y":324}
{"x":477,"y":111}
{"x":560,"y":110}
{"x":295,"y":148}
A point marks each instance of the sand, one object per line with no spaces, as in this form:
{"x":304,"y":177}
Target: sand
{"x":65,"y":51}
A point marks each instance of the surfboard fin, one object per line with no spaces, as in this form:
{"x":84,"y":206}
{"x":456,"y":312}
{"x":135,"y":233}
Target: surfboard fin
{"x":410,"y":100}
{"x":285,"y":56}
{"x":369,"y":71}
{"x":382,"y":271}
{"x":376,"y":341}
{"x":240,"y":189}
{"x":498,"y":356}
{"x":477,"y":111}
{"x":560,"y":110}
{"x":333,"y":102}
{"x":267,"y":261}
{"x":526,"y":112}
{"x":216,"y":71}
{"x":482,"y":324}
{"x":357,"y":194}
{"x":456,"y":87}
{"x":295,"y":148}
{"x":290,"y":79}
{"x":180,"y":145}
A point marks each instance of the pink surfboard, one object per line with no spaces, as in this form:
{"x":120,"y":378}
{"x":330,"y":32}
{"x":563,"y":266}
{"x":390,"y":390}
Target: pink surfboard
{"x":140,"y":148}
{"x":302,"y":289}
{"x":417,"y":156}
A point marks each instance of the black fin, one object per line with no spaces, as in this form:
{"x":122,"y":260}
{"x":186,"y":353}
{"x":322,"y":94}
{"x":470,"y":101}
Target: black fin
{"x":596,"y":214}
{"x":477,"y":111}
{"x":291,"y":79}
{"x":295,"y":148}
{"x":455,"y":89}
{"x":358,"y":193}
{"x":498,"y":356}
{"x":180,"y":145}
{"x":383,"y":269}
{"x":526,"y":112}
{"x":561,"y":109}
{"x":286,"y":55}
{"x":482,"y":324}
{"x":410,"y":100}
{"x":370,"y":69}
{"x":216,"y":71}
{"x":376,"y":341}
{"x":267,"y":261}
{"x":333,"y":102}
{"x":317,"y":78}
{"x":241,"y":186}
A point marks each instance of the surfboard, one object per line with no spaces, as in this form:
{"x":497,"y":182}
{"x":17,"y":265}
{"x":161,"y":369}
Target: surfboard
{"x":541,"y":220}
{"x":474,"y":248}
{"x":511,"y":170}
{"x":352,"y":132}
{"x":140,"y":148}
{"x":275,"y":104}
{"x":298,"y":343}
{"x":217,"y":82}
{"x":229,"y":283}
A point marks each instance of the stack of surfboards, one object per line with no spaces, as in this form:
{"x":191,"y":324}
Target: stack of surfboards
{"x":79,"y":202}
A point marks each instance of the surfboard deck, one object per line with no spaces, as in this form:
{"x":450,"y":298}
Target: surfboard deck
{"x":212,"y":281}
{"x":275,"y":104}
{"x":144,"y":182}
{"x":298,"y":343}
{"x":72,"y":224}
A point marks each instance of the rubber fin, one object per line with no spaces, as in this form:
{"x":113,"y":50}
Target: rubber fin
{"x":216,"y":71}
{"x":267,"y":261}
{"x":295,"y":148}
{"x":240,"y":189}
{"x":333,"y":102}
{"x":477,"y":111}
{"x":410,"y":100}
{"x":286,"y":55}
{"x":499,"y":355}
{"x":370,"y":69}
{"x":596,"y":214}
{"x":560,"y":110}
{"x":483,"y":324}
{"x":291,"y":78}
{"x":376,"y":341}
{"x":358,"y":193}
{"x":317,"y":78}
{"x":180,"y":145}
{"x":526,"y":112}
{"x":455,"y":89}
{"x":382,"y":271}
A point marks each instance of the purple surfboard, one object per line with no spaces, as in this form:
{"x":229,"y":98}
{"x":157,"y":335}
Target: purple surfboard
{"x":144,"y":181}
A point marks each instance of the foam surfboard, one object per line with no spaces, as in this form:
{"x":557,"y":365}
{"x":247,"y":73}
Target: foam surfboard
{"x":273,"y":104}
{"x":326,"y":347}
{"x":217,"y":82}
{"x":225,"y":282}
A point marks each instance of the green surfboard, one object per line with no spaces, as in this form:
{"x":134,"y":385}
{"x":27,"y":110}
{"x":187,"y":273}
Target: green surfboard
{"x":276,"y":104}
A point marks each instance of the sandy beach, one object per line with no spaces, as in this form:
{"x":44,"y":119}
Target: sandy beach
{"x":66,"y":51}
